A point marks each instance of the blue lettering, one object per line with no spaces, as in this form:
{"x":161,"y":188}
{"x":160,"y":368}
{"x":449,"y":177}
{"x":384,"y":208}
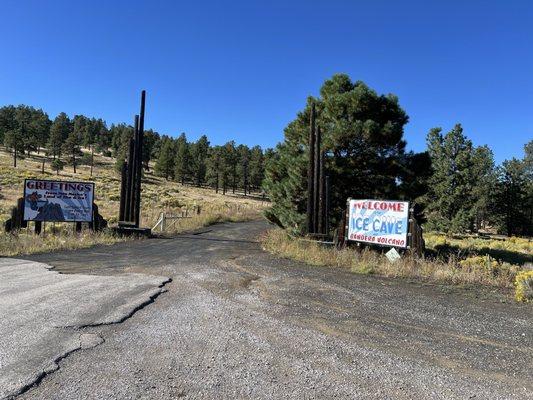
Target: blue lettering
{"x":398,"y":227}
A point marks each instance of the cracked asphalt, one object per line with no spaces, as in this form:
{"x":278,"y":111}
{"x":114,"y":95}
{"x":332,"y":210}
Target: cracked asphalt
{"x":235,"y":322}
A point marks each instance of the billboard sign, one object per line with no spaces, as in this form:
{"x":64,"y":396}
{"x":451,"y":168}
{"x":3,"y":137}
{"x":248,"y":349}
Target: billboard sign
{"x":58,"y":201}
{"x":381,"y":222}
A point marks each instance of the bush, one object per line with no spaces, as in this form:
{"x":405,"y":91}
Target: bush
{"x":57,"y":165}
{"x":524,"y":286}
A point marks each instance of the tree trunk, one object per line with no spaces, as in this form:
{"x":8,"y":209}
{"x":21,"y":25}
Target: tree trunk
{"x":42,"y":168}
{"x":15,"y":157}
{"x":74,"y":163}
{"x":92,"y":159}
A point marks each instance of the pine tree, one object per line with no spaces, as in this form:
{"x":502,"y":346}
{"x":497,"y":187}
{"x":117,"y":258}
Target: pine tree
{"x":59,"y":132}
{"x":13,"y":140}
{"x":57,"y":165}
{"x":484,"y":185}
{"x":256,"y":167}
{"x":182,"y":168}
{"x":165,"y":163}
{"x":72,"y":149}
{"x":229,"y":166}
{"x":150,"y":142}
{"x":213,"y":167}
{"x":450,"y":201}
{"x":243,"y":170}
{"x":512,"y":196}
{"x":362,"y":137}
{"x":199,"y":154}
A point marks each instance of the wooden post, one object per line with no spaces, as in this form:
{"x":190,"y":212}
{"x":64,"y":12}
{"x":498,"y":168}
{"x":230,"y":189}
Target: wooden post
{"x":38,"y":227}
{"x":310,"y":172}
{"x":138,"y":174}
{"x":78,"y":227}
{"x":321,"y":196}
{"x":316,"y":180}
{"x":129,"y":183}
{"x":123,"y":184}
{"x":415,"y":236}
{"x":327,"y":205}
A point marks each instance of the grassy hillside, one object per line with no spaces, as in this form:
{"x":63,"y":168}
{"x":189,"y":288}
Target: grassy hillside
{"x":157,"y":195}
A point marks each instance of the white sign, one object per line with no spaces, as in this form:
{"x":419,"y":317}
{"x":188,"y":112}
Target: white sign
{"x":380,"y":222}
{"x":393,"y":255}
{"x":58,"y":201}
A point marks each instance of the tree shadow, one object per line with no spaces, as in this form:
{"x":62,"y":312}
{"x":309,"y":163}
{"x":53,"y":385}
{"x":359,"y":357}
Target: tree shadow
{"x":513,"y":257}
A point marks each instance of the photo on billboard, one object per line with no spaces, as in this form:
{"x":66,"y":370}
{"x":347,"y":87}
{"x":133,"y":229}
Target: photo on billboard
{"x":58,"y":201}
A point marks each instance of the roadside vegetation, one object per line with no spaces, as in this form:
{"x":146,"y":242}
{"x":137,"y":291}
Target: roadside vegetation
{"x":159,"y":195}
{"x":454,"y":186}
{"x":465,"y":267}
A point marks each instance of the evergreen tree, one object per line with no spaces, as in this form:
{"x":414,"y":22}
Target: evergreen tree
{"x":213,"y":167}
{"x":80,"y":128}
{"x":13,"y":140}
{"x":165,"y":163}
{"x":150,"y":142}
{"x":484,"y":185}
{"x":362,"y":137}
{"x":512,"y":197}
{"x":199,"y":154}
{"x":229,"y":166}
{"x":256,"y":167}
{"x":59,"y":131}
{"x":57,"y":165}
{"x":450,"y":201}
{"x":39,"y":128}
{"x":121,"y":134}
{"x":72,"y":148}
{"x":243,"y":171}
{"x":182,"y":166}
{"x":7,"y":121}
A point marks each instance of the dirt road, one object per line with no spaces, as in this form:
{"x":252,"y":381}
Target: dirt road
{"x":236,"y":322}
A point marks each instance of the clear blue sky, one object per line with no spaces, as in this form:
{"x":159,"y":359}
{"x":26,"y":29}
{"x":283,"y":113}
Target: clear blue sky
{"x":241,"y":70}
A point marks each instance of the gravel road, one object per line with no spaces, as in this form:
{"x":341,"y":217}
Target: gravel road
{"x":236,"y":322}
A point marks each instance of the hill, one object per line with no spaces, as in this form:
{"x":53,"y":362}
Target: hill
{"x":158,"y":195}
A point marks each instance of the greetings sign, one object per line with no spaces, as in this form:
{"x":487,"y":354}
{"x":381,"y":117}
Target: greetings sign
{"x":58,"y":201}
{"x":379,"y":222}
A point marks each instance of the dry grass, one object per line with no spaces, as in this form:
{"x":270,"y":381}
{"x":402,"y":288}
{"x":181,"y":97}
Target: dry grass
{"x":213,"y":214}
{"x":28,"y":243}
{"x":450,"y":271}
{"x":158,"y":195}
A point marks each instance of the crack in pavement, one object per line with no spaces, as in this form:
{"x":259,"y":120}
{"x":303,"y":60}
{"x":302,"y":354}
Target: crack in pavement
{"x":86,"y":341}
{"x":44,"y":314}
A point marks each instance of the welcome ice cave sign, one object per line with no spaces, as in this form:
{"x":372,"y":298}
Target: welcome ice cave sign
{"x":58,"y":201}
{"x":379,"y":222}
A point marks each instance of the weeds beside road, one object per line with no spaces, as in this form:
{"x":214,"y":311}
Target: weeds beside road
{"x":463,"y":268}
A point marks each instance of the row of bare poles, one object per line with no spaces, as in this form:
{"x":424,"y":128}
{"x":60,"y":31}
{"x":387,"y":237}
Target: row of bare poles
{"x":130,"y":188}
{"x":318,"y":183}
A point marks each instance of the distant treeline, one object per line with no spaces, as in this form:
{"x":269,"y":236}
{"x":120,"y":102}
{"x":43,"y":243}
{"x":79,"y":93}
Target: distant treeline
{"x":24,"y":129}
{"x":456,"y":185}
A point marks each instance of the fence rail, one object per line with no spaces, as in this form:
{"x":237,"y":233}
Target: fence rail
{"x":169,"y":220}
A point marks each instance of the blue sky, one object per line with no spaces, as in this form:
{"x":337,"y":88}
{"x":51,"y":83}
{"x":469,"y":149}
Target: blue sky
{"x":242,"y":69}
